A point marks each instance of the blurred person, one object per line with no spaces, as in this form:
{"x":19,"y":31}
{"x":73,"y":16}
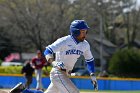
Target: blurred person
{"x":28,"y":71}
{"x":103,"y":74}
{"x":38,"y":63}
{"x":20,"y":88}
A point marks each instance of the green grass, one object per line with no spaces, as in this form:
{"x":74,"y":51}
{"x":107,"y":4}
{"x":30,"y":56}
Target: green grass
{"x":89,"y":91}
{"x":122,"y":91}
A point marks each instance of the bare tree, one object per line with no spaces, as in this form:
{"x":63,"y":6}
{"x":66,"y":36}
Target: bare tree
{"x":35,"y":23}
{"x":131,"y":20}
{"x":110,"y":11}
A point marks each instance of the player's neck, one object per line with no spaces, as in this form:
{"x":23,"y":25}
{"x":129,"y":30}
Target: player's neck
{"x":75,"y":39}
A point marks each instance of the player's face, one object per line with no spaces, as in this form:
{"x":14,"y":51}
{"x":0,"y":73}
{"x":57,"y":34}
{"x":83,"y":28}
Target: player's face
{"x":82,"y":35}
{"x":39,"y":55}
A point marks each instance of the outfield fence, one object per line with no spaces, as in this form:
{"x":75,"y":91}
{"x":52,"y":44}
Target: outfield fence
{"x":84,"y":83}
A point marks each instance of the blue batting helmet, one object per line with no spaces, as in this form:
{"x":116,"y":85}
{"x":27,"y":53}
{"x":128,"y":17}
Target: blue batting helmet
{"x":76,"y":26}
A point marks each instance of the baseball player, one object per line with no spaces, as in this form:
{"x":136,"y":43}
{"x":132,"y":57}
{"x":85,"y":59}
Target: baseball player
{"x":38,"y":63}
{"x":20,"y":88}
{"x":27,"y":71}
{"x":67,"y":50}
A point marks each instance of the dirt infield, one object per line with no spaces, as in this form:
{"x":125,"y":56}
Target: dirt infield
{"x":3,"y":91}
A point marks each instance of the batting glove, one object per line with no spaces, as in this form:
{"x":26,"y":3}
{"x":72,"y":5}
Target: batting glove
{"x":94,"y":81}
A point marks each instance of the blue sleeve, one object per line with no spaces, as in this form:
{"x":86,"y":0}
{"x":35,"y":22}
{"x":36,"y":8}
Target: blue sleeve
{"x":90,"y":66}
{"x":48,"y":51}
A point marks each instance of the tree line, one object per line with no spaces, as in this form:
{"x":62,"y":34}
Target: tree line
{"x":28,"y":25}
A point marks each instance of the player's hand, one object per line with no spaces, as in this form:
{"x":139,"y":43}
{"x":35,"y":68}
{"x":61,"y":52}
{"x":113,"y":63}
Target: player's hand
{"x":94,"y":81}
{"x":33,"y":67}
{"x":59,"y":65}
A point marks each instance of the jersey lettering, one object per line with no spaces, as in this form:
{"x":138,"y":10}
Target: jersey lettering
{"x":74,"y":51}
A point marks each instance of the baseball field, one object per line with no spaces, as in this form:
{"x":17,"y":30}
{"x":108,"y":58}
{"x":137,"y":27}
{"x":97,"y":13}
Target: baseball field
{"x":85,"y":91}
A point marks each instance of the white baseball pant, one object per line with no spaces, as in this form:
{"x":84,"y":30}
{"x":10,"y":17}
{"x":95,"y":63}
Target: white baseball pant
{"x":38,"y":73}
{"x":60,"y":83}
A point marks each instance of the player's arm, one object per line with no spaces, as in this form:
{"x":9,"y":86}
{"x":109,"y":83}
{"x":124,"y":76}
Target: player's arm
{"x":33,"y":63}
{"x":57,"y":46}
{"x":90,"y":66}
{"x":89,"y":59}
{"x":23,"y":70}
{"x":51,"y":49}
{"x":49,"y":55}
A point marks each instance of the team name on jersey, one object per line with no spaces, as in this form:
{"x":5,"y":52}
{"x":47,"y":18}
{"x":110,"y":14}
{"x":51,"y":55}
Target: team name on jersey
{"x":74,"y":51}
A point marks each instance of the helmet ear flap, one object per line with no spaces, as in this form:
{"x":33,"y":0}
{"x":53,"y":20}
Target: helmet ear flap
{"x":76,"y":33}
